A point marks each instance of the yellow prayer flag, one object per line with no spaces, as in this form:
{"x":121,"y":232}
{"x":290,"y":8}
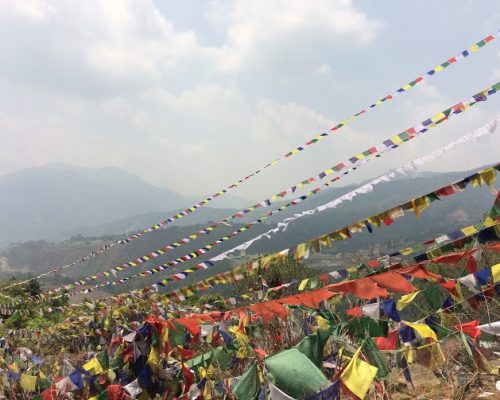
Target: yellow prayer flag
{"x":408,"y":354}
{"x":495,"y":271}
{"x":488,"y":175}
{"x":28,"y":382}
{"x":460,"y":296}
{"x":14,"y":368}
{"x":406,"y":251}
{"x":93,"y":366}
{"x":153,"y":356}
{"x":325,"y":241}
{"x":374,"y":221}
{"x":488,"y":222}
{"x":396,"y":139}
{"x":358,"y":375}
{"x":111,"y":375}
{"x":302,"y":251}
{"x":469,"y":230}
{"x":419,"y":204}
{"x":303,"y":284}
{"x":405,"y":300}
{"x":437,"y":357}
{"x":423,"y":330}
{"x":476,"y":181}
{"x":322,"y":323}
{"x":438,"y":117}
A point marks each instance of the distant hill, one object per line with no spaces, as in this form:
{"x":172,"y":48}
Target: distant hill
{"x":460,"y":210}
{"x":56,"y":201}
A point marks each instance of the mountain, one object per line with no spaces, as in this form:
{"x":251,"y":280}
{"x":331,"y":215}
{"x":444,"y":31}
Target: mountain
{"x":55,"y":201}
{"x":137,"y":222}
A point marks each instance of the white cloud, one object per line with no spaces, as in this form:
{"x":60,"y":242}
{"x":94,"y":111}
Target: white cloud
{"x":115,"y":44}
{"x":284,"y":35}
{"x":118,"y":83}
{"x":31,"y":9}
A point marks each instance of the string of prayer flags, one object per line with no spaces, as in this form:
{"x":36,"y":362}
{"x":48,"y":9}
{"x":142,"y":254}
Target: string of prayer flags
{"x":337,"y":235}
{"x":233,"y":275}
{"x":461,"y":56}
{"x":383,"y":147}
{"x":339,"y":275}
{"x":387,"y":177}
{"x":487,"y":128}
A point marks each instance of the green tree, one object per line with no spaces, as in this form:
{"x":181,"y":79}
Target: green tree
{"x":33,"y":287}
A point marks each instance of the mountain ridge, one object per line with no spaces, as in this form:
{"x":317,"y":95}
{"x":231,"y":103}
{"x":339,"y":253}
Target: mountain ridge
{"x":40,"y":202}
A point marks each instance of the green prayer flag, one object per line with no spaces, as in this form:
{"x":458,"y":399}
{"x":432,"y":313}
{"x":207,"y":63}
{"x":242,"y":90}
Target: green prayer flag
{"x":103,"y":395}
{"x":221,"y":356}
{"x":176,"y":338}
{"x":201,"y":360}
{"x":376,"y":358}
{"x":364,"y":326}
{"x":433,"y":295}
{"x":295,"y":374}
{"x":440,"y":330}
{"x":117,"y":360}
{"x":337,"y":329}
{"x":312,"y":345}
{"x":44,"y":383}
{"x":314,"y":283}
{"x":248,"y":385}
{"x":155,"y":338}
{"x":103,"y":359}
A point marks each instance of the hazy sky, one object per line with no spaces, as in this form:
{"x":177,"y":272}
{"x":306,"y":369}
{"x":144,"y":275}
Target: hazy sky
{"x":194,"y":94}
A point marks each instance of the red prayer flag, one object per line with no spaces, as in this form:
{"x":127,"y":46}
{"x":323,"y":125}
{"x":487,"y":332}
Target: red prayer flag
{"x":394,"y":282}
{"x":260,"y":353}
{"x":418,"y":271}
{"x":364,"y":288}
{"x":450,"y":286}
{"x":355,"y":312}
{"x":453,"y":258}
{"x":471,"y":265}
{"x":115,"y":392}
{"x":446,"y":191}
{"x":470,"y":328}
{"x":388,"y":343}
{"x":494,"y":247}
{"x":186,"y":354}
{"x":49,"y":394}
{"x":190,"y":324}
{"x":269,"y":310}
